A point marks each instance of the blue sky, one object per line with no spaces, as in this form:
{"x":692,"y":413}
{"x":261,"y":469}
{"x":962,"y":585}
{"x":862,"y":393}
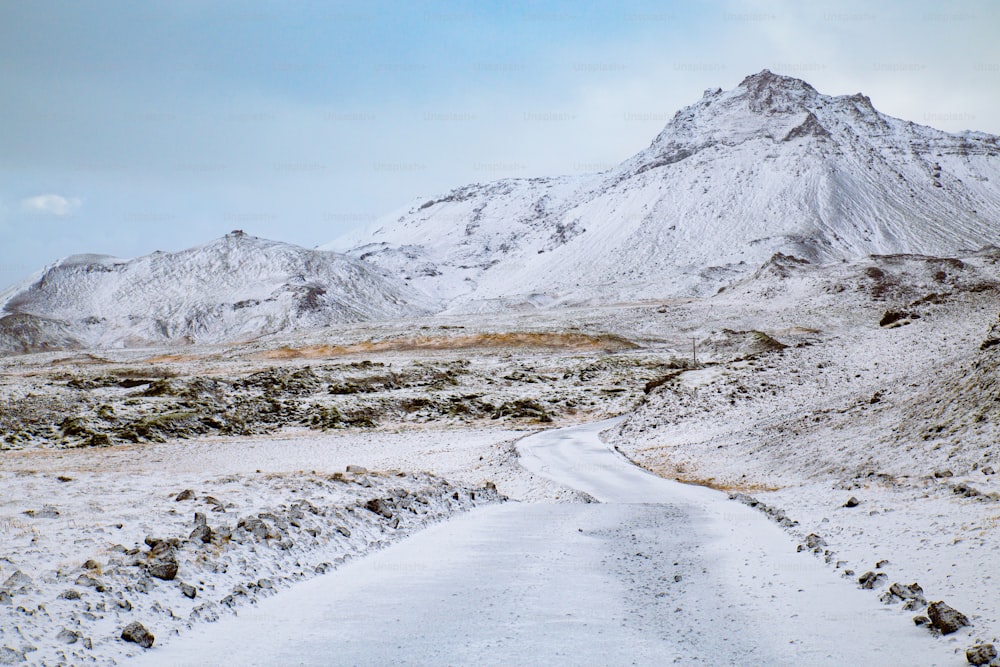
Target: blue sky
{"x":131,"y":127}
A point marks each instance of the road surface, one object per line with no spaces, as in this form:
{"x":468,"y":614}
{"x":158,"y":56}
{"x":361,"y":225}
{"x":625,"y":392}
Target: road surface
{"x":655,"y":573}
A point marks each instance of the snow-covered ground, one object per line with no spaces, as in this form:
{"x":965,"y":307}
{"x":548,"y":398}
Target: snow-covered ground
{"x":655,"y":573}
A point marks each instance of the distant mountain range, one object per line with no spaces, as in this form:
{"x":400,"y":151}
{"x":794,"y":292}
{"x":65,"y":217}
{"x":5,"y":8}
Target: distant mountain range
{"x":237,"y":287}
{"x":769,"y":167}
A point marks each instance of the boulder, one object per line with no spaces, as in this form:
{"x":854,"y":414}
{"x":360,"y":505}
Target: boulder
{"x":136,"y":632}
{"x":188,"y":590}
{"x":379,"y":506}
{"x":9,"y":656}
{"x":981,"y":654}
{"x":202,"y":533}
{"x":357,"y":470}
{"x":164,"y":569}
{"x":870,"y":580}
{"x":16,"y":583}
{"x":66,"y":636}
{"x":852,"y":502}
{"x":946,"y":619}
{"x":910,"y":592}
{"x":186,"y":494}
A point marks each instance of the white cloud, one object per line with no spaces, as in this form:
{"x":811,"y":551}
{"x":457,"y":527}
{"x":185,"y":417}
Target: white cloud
{"x":56,"y":205}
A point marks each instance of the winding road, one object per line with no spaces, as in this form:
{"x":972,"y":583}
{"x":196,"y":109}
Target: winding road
{"x":654,"y":573}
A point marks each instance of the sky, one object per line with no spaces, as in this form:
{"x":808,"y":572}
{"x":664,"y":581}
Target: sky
{"x":130,"y":127}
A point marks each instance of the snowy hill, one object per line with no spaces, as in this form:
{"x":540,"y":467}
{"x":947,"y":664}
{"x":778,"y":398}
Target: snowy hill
{"x":770,"y":166}
{"x":233,"y":288}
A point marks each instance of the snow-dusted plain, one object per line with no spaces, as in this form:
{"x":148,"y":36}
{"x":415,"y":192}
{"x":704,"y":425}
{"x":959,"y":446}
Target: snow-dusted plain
{"x":789,"y":298}
{"x":655,"y":573}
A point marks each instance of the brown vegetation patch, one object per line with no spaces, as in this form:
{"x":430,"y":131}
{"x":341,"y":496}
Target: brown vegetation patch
{"x":524,"y":340}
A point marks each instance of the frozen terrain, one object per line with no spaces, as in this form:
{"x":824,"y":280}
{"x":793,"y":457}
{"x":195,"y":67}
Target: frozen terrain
{"x":234,"y":288}
{"x":655,"y":573}
{"x":770,"y":166}
{"x":790,"y":300}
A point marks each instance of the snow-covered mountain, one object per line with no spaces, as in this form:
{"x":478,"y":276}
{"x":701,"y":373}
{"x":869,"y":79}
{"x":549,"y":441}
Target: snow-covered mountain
{"x":770,"y":166}
{"x":233,"y":288}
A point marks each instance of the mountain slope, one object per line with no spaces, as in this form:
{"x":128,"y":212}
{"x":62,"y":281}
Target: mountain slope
{"x":771,"y":166}
{"x":235,"y":287}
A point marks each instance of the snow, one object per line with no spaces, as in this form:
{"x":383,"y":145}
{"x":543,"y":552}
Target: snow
{"x":771,"y":166}
{"x":237,"y":287}
{"x":659,"y":572}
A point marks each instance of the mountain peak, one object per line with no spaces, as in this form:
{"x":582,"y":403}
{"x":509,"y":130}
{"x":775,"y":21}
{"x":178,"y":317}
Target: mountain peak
{"x":776,"y":93}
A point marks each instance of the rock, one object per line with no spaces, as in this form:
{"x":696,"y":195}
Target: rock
{"x":136,"y":632}
{"x":852,"y":502}
{"x":200,"y":519}
{"x":813,"y":542}
{"x":202,"y":533}
{"x":344,"y":530}
{"x":946,"y":619}
{"x":357,"y":470}
{"x":988,"y":470}
{"x":186,"y":494}
{"x":9,"y":656}
{"x":870,"y":580}
{"x":256,"y":526}
{"x":16,"y":583}
{"x":165,"y":569}
{"x":188,"y":590}
{"x":5,"y":598}
{"x":882,"y":563}
{"x":943,"y":473}
{"x":379,"y":506}
{"x":90,"y":582}
{"x":47,"y":512}
{"x":265,"y":583}
{"x":921,"y":621}
{"x":980,"y":654}
{"x":69,"y":595}
{"x":92,"y":564}
{"x":67,"y":636}
{"x":911,"y":592}
{"x":963,"y":489}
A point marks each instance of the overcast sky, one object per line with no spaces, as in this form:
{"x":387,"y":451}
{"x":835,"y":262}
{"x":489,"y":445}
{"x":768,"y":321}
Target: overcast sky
{"x":128,"y":127}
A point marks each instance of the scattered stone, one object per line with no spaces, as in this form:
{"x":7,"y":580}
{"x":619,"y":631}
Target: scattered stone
{"x":202,"y":533}
{"x":9,"y":656}
{"x":70,"y":594}
{"x":946,"y":619}
{"x":92,"y":564}
{"x":921,"y":621}
{"x":165,"y":570}
{"x":981,"y":654}
{"x":882,"y":563}
{"x":200,"y":519}
{"x":265,"y":583}
{"x":381,"y":507}
{"x":64,"y":478}
{"x":136,"y":632}
{"x":186,"y":494}
{"x":16,"y":583}
{"x":66,"y":636}
{"x":870,"y":580}
{"x":357,"y":470}
{"x":988,"y":470}
{"x":813,"y":543}
{"x":911,"y":592}
{"x":943,"y":473}
{"x":964,"y":490}
{"x":188,"y":590}
{"x":344,"y":530}
{"x":5,"y":598}
{"x":47,"y":512}
{"x":852,"y":502}
{"x":90,"y":582}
